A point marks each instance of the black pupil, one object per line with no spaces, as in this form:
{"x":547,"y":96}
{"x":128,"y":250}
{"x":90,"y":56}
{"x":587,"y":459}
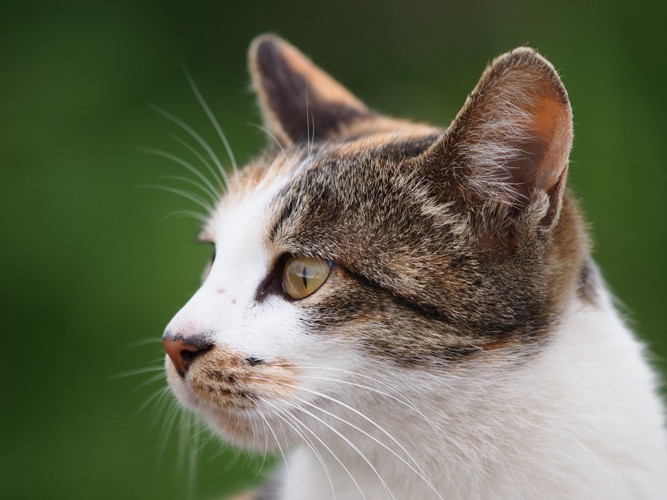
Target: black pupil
{"x":304,"y":277}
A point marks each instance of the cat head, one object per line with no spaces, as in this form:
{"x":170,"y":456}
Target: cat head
{"x":361,"y":249}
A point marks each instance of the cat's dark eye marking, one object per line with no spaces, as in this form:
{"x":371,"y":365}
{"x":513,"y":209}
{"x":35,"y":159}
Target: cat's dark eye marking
{"x":405,"y":302}
{"x":271,"y":285}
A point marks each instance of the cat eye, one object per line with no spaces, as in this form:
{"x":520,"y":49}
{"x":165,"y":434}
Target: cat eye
{"x":302,"y":276}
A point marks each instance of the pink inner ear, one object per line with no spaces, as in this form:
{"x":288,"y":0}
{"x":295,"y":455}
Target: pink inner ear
{"x":551,"y":125}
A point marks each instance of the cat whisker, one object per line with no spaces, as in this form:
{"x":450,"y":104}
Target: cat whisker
{"x":171,"y":410}
{"x":157,"y":395}
{"x":189,"y":448}
{"x":400,"y":398}
{"x":267,"y":132}
{"x":212,"y":119}
{"x":191,"y":214}
{"x":146,"y":341}
{"x":254,"y":433}
{"x":350,"y":443}
{"x":202,"y":159}
{"x":187,"y":128}
{"x":286,"y":417}
{"x":231,"y":463}
{"x":309,"y":148}
{"x":403,"y":402}
{"x":160,"y":377}
{"x":398,"y":394}
{"x":185,"y":194}
{"x":137,"y":371}
{"x":207,"y":187}
{"x":419,"y":472}
{"x":267,"y":427}
{"x":191,"y":182}
{"x":295,"y":419}
{"x":183,"y":425}
{"x":195,"y":443}
{"x":309,"y":118}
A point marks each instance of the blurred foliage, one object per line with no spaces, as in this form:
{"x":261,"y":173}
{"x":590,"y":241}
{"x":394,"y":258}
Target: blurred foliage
{"x":90,"y":264}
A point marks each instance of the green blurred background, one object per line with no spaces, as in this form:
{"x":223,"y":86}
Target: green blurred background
{"x":91,"y":268}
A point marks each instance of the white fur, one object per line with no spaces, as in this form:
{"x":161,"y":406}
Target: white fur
{"x":579,"y":418}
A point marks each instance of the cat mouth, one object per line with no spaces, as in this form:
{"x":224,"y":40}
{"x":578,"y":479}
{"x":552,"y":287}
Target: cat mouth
{"x":223,"y":381}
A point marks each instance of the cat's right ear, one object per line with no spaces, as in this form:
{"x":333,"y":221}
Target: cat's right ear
{"x":297,"y":99}
{"x":505,"y":155}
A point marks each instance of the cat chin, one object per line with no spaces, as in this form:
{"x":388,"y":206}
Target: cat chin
{"x":233,"y":425}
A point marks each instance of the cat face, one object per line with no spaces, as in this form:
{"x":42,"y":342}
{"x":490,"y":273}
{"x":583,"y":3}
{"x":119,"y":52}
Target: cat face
{"x":366,"y":250}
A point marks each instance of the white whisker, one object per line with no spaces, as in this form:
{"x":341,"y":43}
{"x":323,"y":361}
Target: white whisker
{"x":209,"y":189}
{"x":188,"y":214}
{"x":267,"y":426}
{"x":173,"y":410}
{"x":192,"y":197}
{"x":369,"y":420}
{"x":192,"y":182}
{"x":350,"y":443}
{"x":202,"y":159}
{"x":148,"y":340}
{"x":297,"y":422}
{"x":212,"y":119}
{"x":160,"y":377}
{"x":267,"y":132}
{"x":156,"y":395}
{"x":194,"y":443}
{"x":138,"y":371}
{"x":403,"y":400}
{"x":286,"y":417}
{"x":196,"y":137}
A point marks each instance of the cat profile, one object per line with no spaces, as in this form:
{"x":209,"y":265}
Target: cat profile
{"x":411,"y":312}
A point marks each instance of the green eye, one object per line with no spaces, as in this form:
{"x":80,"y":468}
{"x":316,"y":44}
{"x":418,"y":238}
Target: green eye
{"x":302,"y":276}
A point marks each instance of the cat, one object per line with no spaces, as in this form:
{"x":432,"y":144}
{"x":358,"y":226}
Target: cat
{"x":411,"y":312}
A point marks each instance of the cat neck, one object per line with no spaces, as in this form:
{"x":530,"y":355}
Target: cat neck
{"x":503,"y":432}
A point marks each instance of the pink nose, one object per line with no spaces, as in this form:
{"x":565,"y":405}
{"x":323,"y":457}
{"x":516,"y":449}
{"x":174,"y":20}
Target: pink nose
{"x":182,"y":351}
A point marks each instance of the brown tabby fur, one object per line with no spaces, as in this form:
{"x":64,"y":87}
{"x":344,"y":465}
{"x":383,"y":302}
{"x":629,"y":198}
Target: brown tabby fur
{"x":441,"y":261}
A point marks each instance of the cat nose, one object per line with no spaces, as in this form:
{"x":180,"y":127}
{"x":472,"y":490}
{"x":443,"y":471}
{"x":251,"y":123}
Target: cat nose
{"x":182,"y":351}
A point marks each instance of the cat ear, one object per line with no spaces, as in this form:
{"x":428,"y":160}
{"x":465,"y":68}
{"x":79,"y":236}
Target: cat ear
{"x":297,"y":99}
{"x":507,"y":150}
